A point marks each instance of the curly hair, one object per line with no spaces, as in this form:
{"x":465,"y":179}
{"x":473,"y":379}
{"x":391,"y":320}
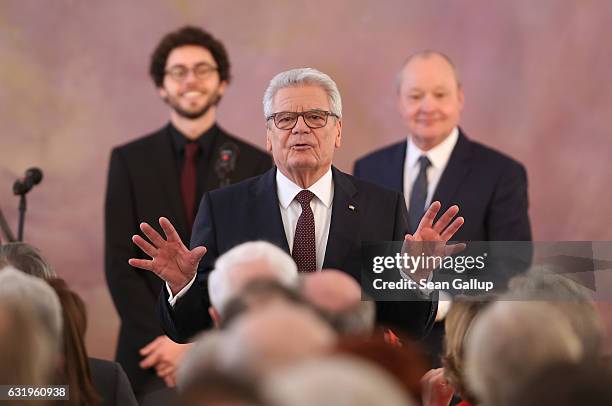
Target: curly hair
{"x":188,"y":35}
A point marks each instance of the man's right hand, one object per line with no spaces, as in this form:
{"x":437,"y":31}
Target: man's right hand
{"x":170,"y":259}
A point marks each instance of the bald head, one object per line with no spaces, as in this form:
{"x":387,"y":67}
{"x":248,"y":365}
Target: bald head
{"x":275,"y":336}
{"x":331,"y":290}
{"x":427,"y":55}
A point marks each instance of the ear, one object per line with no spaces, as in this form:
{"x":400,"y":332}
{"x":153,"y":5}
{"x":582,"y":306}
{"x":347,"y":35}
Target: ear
{"x":222,"y":86}
{"x":214,"y":315}
{"x":338,"y":141}
{"x":162,"y":93}
{"x":268,"y":139}
{"x":460,"y":97}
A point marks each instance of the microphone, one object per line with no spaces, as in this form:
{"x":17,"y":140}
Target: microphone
{"x":226,"y":162}
{"x":33,"y":177}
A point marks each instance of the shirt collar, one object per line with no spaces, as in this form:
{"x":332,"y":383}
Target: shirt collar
{"x":287,"y":190}
{"x":438,"y":155}
{"x":205,"y":140}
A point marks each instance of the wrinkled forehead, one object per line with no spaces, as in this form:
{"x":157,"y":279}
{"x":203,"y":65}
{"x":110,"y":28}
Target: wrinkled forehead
{"x":300,"y":98}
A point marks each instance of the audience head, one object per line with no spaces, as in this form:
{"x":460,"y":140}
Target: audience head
{"x":221,"y":389}
{"x":26,"y":258}
{"x":201,"y":359}
{"x":512,"y":341}
{"x":337,"y":380}
{"x":568,"y":297}
{"x":458,"y":321}
{"x":75,"y":371}
{"x":246,"y":263}
{"x":27,"y":350}
{"x":257,"y":295}
{"x":18,"y":287}
{"x":278,"y":335}
{"x":567,"y":384}
{"x":338,"y":297}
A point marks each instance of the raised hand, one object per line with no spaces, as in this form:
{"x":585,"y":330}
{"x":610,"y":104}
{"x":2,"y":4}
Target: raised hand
{"x":170,"y":259}
{"x":431,"y":238}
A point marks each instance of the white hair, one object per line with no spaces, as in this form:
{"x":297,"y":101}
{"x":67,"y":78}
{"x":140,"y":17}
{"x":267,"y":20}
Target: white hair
{"x":23,"y":289}
{"x":336,"y":380}
{"x":201,"y":358}
{"x":510,"y":342}
{"x":303,"y":77}
{"x":247,"y":262}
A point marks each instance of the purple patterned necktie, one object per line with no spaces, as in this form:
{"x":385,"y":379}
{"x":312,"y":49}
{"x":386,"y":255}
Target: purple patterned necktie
{"x":304,"y":248}
{"x":189,"y":181}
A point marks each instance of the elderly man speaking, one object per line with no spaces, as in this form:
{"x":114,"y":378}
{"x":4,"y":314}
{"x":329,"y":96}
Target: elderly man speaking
{"x":304,"y":205}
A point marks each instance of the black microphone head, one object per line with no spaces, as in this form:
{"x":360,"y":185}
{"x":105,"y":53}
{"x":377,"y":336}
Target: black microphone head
{"x":35,"y":174}
{"x":19,"y":188}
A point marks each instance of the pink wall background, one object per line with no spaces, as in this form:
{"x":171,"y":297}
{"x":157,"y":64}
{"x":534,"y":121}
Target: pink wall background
{"x":74,"y":84}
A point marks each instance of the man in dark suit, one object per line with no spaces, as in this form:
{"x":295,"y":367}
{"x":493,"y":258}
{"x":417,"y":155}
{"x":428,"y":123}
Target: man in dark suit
{"x":439,"y":163}
{"x":165,"y":174}
{"x":305,"y":206}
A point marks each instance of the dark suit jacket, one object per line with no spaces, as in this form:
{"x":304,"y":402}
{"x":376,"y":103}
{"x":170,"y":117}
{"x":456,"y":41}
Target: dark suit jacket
{"x":489,"y":187}
{"x":111,"y":383}
{"x":144,"y":184}
{"x":249,"y":211}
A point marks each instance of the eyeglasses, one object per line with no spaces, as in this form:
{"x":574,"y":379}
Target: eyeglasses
{"x":286,"y":120}
{"x":200,"y":71}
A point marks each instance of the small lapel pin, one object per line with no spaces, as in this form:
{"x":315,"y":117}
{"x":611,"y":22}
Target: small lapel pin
{"x":351,"y":207}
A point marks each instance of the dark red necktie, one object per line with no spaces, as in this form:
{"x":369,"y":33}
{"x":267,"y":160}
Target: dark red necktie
{"x":188,"y":181}
{"x":304,"y":247}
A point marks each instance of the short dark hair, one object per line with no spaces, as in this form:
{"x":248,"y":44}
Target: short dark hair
{"x":188,"y":35}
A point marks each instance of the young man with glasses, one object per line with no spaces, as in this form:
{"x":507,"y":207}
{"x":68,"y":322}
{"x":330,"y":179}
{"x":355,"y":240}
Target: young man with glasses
{"x":165,"y":174}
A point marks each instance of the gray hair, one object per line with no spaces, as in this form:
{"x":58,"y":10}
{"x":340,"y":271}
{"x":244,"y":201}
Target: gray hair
{"x":511,"y":342}
{"x":336,"y":380}
{"x":303,"y":77}
{"x":424,"y":54}
{"x":359,"y":319}
{"x":26,"y":258}
{"x":239,"y":266}
{"x":569,"y":298}
{"x":201,"y":358}
{"x":19,"y":287}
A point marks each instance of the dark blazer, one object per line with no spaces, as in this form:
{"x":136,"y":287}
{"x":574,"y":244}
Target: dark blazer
{"x":489,"y":187}
{"x":111,"y":383}
{"x":144,"y":184}
{"x":249,"y":211}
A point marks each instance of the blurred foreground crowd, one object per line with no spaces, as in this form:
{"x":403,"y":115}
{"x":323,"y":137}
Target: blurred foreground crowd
{"x":283,"y":339}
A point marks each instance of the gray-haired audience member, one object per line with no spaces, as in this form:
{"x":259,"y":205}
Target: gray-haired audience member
{"x":336,"y":380}
{"x":278,"y":335}
{"x":242,"y":264}
{"x":26,"y":258}
{"x":28,"y":354}
{"x":338,"y":296}
{"x":18,"y":287}
{"x":203,"y":357}
{"x":569,"y":298}
{"x":511,"y":342}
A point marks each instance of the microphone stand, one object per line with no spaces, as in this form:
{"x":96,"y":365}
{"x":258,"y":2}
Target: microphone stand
{"x":22,"y":210}
{"x":6,"y":230}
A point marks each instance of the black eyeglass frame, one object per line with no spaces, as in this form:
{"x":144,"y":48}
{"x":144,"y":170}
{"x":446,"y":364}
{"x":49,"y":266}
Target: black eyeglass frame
{"x":302,"y":114}
{"x":181,"y":78}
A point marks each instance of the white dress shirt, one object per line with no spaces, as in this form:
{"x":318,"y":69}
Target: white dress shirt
{"x":438,"y":156}
{"x":321,"y":205}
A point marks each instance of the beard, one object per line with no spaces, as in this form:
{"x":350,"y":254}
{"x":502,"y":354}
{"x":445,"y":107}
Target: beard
{"x":212,"y":101}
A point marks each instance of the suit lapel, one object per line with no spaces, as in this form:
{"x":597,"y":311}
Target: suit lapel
{"x":344,"y":225}
{"x":456,"y":170}
{"x":267,"y":221}
{"x":396,"y":167}
{"x":163,"y":160}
